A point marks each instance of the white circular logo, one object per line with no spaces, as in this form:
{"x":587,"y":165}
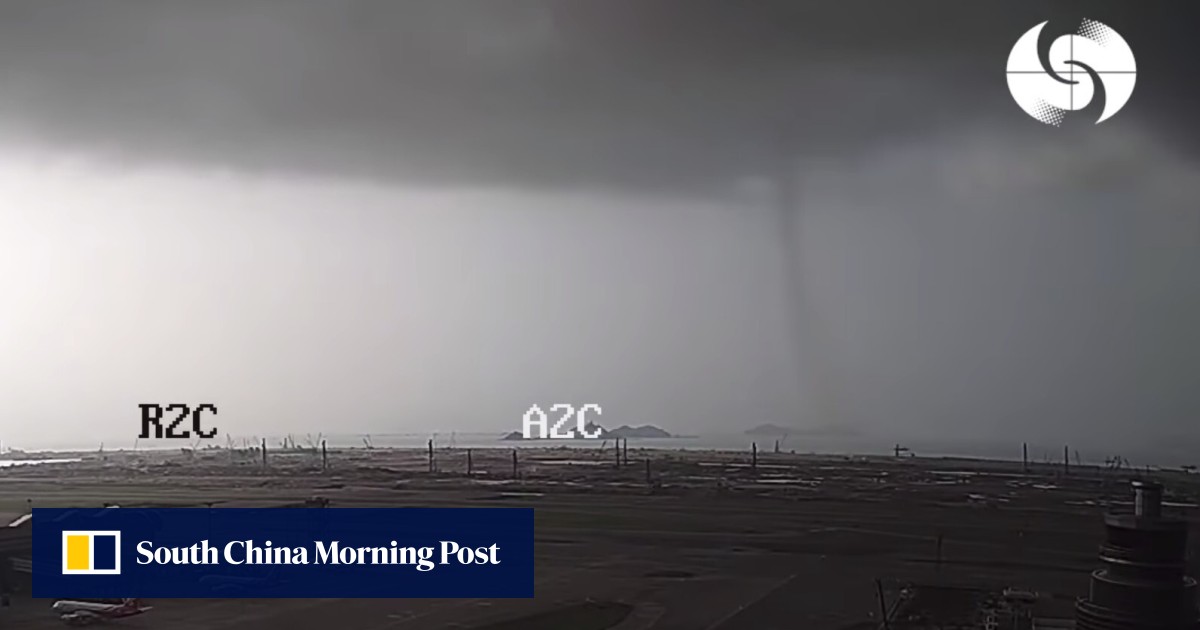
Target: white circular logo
{"x":1048,"y":93}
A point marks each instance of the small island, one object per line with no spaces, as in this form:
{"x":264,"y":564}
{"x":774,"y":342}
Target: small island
{"x":623,"y":431}
{"x":643,"y":431}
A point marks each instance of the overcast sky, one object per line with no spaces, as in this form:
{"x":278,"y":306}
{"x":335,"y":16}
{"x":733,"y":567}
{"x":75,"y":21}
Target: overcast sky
{"x":429,"y":215}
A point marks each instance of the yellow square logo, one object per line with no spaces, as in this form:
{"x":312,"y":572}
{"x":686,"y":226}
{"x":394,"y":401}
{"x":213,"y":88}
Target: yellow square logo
{"x":91,"y":553}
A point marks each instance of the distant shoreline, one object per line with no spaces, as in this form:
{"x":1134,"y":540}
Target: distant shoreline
{"x":72,"y":457}
{"x":1163,"y":457}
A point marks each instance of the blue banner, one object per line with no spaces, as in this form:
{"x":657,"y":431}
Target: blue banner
{"x":283,"y":552}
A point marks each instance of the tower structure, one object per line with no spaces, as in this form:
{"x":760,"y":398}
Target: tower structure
{"x":1142,"y":584}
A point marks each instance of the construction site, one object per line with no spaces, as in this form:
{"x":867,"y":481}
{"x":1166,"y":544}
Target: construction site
{"x":653,"y":539}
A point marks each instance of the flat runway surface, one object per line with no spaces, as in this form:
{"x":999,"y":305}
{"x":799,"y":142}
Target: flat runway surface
{"x":708,"y":545}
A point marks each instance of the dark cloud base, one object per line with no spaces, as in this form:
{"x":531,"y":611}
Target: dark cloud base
{"x":670,"y":95}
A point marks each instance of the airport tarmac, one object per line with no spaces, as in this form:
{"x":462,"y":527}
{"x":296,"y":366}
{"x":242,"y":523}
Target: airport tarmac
{"x":709,"y":541}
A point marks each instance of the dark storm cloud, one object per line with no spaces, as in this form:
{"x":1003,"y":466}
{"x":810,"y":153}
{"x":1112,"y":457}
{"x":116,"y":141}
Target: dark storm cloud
{"x":663,"y":94}
{"x":959,"y":269}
